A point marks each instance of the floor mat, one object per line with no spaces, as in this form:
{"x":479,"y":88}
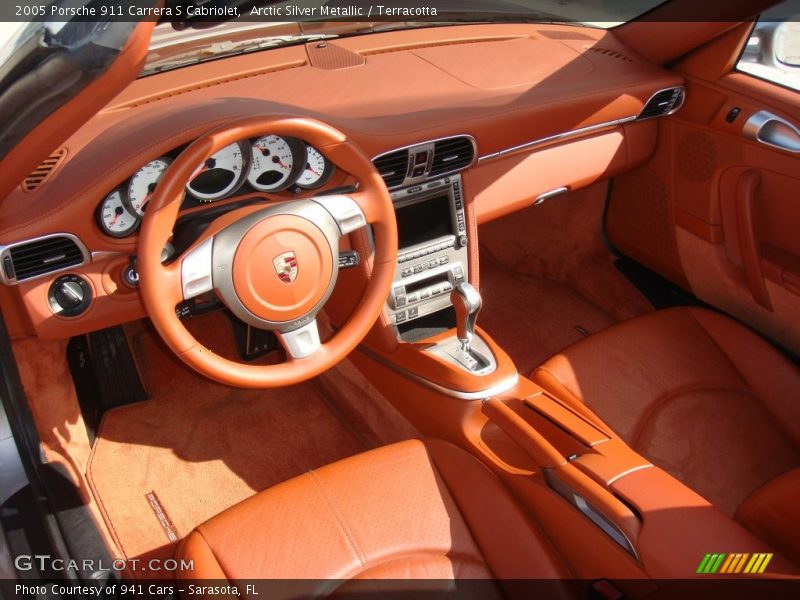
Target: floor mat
{"x":533,"y":318}
{"x":161,"y":467}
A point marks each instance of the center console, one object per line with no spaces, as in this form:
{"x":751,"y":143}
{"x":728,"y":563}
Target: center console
{"x":433,"y":257}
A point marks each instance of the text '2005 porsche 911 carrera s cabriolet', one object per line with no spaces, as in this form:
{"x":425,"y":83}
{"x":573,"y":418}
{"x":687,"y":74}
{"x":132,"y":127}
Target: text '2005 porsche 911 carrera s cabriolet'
{"x":493,"y":298}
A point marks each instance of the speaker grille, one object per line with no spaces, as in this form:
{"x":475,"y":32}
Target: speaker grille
{"x":697,"y":157}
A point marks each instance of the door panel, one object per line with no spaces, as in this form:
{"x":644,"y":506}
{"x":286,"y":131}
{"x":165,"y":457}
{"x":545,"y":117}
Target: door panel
{"x":718,"y":212}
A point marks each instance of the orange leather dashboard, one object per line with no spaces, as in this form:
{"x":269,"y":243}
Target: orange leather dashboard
{"x":505,"y":85}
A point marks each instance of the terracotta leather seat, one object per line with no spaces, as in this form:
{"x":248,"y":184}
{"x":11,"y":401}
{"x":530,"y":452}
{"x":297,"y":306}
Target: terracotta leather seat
{"x":410,"y":510}
{"x":703,"y":398}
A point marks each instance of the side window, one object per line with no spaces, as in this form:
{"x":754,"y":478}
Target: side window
{"x":773,"y":50}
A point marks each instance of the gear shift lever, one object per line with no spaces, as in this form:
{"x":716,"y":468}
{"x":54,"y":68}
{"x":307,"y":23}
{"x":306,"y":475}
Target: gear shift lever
{"x":467,"y":302}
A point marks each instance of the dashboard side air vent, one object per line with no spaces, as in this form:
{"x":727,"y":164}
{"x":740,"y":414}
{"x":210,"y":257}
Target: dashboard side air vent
{"x":43,"y":172}
{"x":663,"y":103}
{"x":452,"y":154}
{"x":393,"y":167}
{"x":41,"y":256}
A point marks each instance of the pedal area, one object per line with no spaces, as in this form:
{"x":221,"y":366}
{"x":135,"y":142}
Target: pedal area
{"x":104,"y":373}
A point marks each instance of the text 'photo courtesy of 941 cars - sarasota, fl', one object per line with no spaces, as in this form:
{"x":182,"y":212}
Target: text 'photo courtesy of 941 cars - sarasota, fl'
{"x":399,"y":299}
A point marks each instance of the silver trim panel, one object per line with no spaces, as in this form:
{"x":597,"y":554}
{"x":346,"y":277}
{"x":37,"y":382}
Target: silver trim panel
{"x":301,"y":342}
{"x":558,"y":137}
{"x":489,"y":392}
{"x":4,"y":251}
{"x":573,"y":133}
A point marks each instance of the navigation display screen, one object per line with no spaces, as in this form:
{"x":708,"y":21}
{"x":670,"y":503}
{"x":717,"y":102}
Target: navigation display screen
{"x":424,"y":221}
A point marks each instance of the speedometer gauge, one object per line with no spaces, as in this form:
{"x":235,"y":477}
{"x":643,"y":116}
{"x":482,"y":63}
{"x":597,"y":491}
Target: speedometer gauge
{"x":275,"y":163}
{"x":114,"y":217}
{"x":143,"y":184}
{"x":219,"y":175}
{"x":317,"y":170}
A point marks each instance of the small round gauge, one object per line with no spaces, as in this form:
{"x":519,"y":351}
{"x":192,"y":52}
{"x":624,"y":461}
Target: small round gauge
{"x":275,"y":163}
{"x":317,"y":170}
{"x":114,"y":217}
{"x":143,"y":183}
{"x":219,"y":175}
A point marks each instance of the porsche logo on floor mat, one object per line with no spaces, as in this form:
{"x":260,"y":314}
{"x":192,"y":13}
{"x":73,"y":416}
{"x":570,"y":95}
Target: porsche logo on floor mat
{"x":161,"y":515}
{"x":286,"y":266}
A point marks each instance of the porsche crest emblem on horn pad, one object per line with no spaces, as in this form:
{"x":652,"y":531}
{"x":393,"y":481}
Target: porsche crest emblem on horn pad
{"x":286,"y":266}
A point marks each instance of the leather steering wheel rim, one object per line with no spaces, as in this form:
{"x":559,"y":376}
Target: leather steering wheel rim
{"x":163,"y":286}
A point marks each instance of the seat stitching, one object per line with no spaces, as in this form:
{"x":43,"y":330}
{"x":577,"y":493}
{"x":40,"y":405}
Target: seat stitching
{"x":648,"y":414}
{"x":460,"y":556}
{"x":775,"y":418}
{"x":211,"y":550}
{"x":339,"y":518}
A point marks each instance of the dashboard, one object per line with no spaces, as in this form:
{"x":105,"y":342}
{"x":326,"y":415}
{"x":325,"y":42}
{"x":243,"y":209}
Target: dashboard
{"x":270,"y":163}
{"x":542,"y":107}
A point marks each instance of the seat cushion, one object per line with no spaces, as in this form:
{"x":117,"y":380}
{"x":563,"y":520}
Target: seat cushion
{"x":699,"y":395}
{"x":410,"y":510}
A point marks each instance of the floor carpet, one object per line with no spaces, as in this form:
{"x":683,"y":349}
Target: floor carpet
{"x":533,"y":318}
{"x":548,"y":278}
{"x":194,"y":448}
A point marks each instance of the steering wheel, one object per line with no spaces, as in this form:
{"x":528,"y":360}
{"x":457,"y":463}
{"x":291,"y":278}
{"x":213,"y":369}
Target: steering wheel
{"x":274,"y":267}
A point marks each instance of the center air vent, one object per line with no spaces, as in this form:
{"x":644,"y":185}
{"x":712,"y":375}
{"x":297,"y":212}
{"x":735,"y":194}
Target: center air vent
{"x":662,"y":103}
{"x":393,"y":167}
{"x":452,"y":154}
{"x":26,"y":260}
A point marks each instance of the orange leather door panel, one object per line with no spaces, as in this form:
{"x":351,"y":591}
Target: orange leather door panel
{"x":716,"y":212}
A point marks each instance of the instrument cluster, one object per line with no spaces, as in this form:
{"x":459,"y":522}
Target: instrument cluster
{"x":270,"y":163}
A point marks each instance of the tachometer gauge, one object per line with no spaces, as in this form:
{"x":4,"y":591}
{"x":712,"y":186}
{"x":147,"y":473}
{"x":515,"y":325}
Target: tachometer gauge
{"x":143,"y":183}
{"x":317,"y":170}
{"x":275,"y":163}
{"x":114,"y":217}
{"x":219,"y":175}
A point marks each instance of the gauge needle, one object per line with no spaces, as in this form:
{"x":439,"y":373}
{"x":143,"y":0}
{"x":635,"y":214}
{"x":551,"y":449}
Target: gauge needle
{"x":308,"y":168}
{"x":209,"y":164}
{"x":145,"y":200}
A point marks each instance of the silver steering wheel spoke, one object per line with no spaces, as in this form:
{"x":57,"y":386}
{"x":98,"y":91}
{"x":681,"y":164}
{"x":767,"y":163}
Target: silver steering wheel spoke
{"x":344,"y":210}
{"x":197,"y":270}
{"x":301,"y":342}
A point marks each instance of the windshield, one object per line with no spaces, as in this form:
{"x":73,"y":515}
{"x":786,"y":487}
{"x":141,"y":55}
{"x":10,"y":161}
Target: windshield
{"x":267,"y":25}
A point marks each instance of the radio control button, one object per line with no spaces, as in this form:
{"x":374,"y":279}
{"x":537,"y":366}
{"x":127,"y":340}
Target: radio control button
{"x":417,"y":268}
{"x":400,"y":317}
{"x":424,"y":294}
{"x":413,"y":313}
{"x":400,"y":300}
{"x":444,"y":260}
{"x":413,"y":298}
{"x":406,"y":272}
{"x":446,"y":286}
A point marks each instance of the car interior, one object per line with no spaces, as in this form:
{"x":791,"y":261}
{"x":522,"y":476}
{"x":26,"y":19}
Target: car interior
{"x":483,"y":301}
